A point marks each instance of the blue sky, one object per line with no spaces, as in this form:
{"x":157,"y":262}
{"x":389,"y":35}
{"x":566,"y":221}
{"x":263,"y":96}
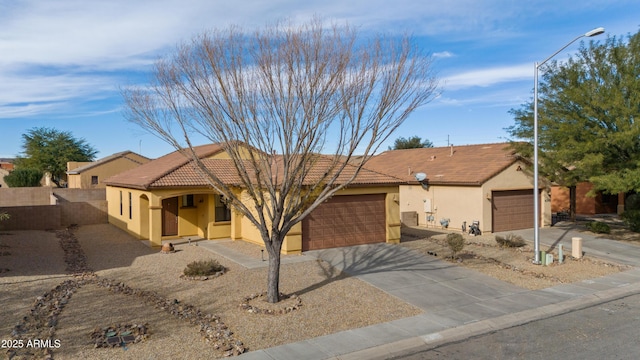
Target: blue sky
{"x":62,"y":62}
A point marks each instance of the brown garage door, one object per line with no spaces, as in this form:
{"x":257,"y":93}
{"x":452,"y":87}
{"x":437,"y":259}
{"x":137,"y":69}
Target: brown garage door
{"x":512,"y":210}
{"x":345,"y":220}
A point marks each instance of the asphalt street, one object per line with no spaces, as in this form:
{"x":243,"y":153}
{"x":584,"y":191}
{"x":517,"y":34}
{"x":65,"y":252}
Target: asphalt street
{"x":604,"y":331}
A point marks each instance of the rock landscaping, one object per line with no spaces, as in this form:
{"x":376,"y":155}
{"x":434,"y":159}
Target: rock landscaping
{"x":287,"y":304}
{"x":509,"y":259}
{"x":42,"y":319}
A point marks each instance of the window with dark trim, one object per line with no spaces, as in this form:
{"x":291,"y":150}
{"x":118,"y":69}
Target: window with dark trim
{"x":94,"y":180}
{"x":223,"y":212}
{"x":187,"y":201}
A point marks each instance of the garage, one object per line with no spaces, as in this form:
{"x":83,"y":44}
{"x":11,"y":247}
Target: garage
{"x":345,"y":220}
{"x":512,"y":210}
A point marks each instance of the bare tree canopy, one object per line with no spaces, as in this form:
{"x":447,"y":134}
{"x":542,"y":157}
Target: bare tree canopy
{"x":289,"y":93}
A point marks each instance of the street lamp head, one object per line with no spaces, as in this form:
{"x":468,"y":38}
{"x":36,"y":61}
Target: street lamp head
{"x":595,"y":32}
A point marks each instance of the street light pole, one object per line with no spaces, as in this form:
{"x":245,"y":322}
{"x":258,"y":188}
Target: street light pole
{"x":536,"y":194}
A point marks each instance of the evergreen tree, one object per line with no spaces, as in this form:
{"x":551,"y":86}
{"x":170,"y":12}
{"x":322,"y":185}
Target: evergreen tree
{"x":413,"y":142}
{"x":588,"y":109}
{"x":49,"y":150}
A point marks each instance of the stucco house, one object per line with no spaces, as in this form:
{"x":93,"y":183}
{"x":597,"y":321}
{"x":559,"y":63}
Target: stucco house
{"x":166,"y":198}
{"x":91,"y":175}
{"x":485,"y":183}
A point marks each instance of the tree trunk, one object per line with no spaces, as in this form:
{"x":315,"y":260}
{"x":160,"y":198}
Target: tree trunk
{"x":572,"y":203}
{"x":273,"y":277}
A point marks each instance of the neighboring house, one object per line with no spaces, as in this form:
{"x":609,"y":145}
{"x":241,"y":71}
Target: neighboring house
{"x":485,"y":183}
{"x":167,"y":199}
{"x":586,"y":205}
{"x":91,"y":175}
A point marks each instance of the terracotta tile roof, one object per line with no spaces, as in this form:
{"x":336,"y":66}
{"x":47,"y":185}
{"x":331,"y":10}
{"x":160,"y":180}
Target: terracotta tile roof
{"x":144,"y":175}
{"x":123,"y":154}
{"x":457,"y":165}
{"x":175,"y":170}
{"x":366,"y":176}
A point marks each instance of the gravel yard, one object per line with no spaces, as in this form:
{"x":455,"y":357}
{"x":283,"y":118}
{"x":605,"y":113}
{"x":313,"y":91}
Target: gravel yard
{"x":512,"y":265}
{"x":331,"y":302}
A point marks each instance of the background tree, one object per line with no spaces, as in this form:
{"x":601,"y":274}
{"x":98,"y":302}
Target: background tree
{"x":588,"y":113}
{"x":49,"y":150}
{"x":292,"y":90}
{"x":413,"y":142}
{"x":24,"y":177}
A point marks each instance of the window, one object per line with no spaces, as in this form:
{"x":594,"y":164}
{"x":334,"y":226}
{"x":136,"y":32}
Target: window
{"x":120,"y":203}
{"x":187,"y":201}
{"x":223,"y":213}
{"x":130,"y":207}
{"x":94,"y":180}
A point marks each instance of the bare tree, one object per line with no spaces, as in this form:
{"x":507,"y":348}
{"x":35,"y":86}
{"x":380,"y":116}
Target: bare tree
{"x":289,"y":93}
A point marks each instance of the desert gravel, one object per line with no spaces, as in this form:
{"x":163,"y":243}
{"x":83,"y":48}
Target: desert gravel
{"x":331,"y":301}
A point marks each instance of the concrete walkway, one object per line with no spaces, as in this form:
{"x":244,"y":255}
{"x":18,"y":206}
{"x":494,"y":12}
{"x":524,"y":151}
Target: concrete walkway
{"x":458,"y":303}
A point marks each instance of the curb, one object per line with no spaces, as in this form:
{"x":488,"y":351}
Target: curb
{"x":460,"y":333}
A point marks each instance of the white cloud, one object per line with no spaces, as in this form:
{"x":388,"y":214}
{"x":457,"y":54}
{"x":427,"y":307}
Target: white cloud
{"x":50,"y":51}
{"x":443,"y":54}
{"x":489,"y":76}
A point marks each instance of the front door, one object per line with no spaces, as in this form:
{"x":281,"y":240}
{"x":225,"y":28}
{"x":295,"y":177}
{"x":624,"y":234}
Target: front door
{"x":170,"y":216}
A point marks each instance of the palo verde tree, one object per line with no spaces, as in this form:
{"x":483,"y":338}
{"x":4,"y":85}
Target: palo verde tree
{"x":588,"y":112}
{"x":290,"y":93}
{"x":414,"y":142}
{"x":49,"y":150}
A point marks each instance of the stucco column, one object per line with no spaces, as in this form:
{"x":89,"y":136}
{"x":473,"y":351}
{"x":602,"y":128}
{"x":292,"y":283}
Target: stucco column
{"x":392,"y":209}
{"x":155,"y":221}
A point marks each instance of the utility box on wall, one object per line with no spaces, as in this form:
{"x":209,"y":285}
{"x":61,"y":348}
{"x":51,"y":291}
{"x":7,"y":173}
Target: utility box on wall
{"x":409,"y":218}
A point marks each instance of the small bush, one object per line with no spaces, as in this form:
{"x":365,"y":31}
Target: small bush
{"x":632,"y":219}
{"x":511,"y":240}
{"x":203,"y":268}
{"x":599,"y":227}
{"x":24,"y":178}
{"x":456,"y":243}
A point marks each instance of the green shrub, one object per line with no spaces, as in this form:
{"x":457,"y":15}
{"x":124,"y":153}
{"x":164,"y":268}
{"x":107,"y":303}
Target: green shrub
{"x":599,"y":227}
{"x":632,"y":202}
{"x":632,"y":219}
{"x":511,"y":240}
{"x":456,"y":243}
{"x":24,"y":178}
{"x":203,"y":268}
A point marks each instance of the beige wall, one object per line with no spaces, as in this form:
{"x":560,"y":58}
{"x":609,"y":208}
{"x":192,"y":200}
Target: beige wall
{"x":103,"y":171}
{"x":467,"y":203}
{"x":26,"y":196}
{"x":456,"y":203}
{"x":3,"y":173}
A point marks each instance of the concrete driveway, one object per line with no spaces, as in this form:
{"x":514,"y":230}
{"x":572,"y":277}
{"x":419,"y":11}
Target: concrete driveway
{"x":457,"y":302}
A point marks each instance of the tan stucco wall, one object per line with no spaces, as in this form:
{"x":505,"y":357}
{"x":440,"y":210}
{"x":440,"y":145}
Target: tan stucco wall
{"x":103,"y":171}
{"x":456,"y":203}
{"x":3,"y":173}
{"x":467,"y":203}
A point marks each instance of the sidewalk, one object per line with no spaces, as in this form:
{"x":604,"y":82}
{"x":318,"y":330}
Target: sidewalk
{"x":458,"y":303}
